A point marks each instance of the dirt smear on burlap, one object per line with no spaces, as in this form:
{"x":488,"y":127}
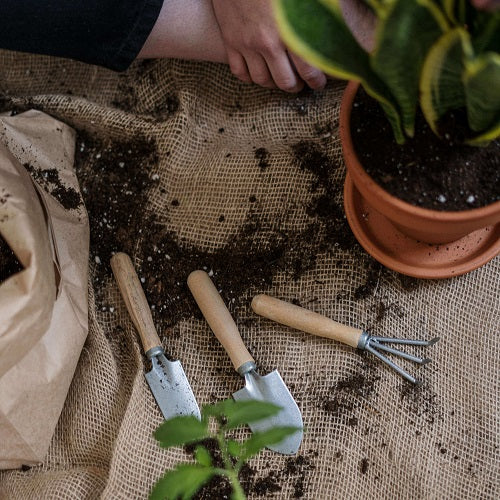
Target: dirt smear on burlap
{"x":116,"y":178}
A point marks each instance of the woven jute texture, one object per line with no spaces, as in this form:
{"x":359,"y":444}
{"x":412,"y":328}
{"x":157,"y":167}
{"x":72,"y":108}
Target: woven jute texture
{"x":233,"y":192}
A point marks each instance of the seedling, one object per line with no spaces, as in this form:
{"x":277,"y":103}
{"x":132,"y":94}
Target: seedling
{"x":184,"y":480}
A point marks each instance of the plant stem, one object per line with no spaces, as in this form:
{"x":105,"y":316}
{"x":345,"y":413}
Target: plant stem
{"x":238,"y":493}
{"x":228,"y":464}
{"x":231,"y":473}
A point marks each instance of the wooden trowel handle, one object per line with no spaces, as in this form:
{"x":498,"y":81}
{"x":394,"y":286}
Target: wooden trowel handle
{"x":218,"y":317}
{"x":135,"y":300}
{"x":305,"y":320}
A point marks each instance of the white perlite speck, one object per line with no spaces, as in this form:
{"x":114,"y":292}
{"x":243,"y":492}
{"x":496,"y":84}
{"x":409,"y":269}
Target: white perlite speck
{"x":441,"y":198}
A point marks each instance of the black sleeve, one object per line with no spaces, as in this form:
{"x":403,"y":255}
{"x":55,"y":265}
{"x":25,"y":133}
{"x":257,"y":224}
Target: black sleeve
{"x":108,"y":33}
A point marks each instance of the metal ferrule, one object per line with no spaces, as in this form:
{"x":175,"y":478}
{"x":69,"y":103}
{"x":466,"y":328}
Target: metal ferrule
{"x":154,"y":351}
{"x":246,"y":367}
{"x":363,"y":340}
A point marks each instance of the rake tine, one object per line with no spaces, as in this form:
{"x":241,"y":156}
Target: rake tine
{"x":394,"y":366}
{"x":401,"y":354}
{"x":388,"y":340}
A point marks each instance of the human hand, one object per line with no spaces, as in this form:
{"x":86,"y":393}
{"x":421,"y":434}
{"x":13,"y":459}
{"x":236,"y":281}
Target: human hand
{"x":255,"y":51}
{"x":486,"y":4}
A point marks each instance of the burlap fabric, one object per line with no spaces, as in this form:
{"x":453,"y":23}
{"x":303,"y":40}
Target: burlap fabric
{"x":228,"y":154}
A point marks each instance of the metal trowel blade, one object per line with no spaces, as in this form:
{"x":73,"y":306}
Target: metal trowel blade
{"x":272,"y":389}
{"x":171,"y":388}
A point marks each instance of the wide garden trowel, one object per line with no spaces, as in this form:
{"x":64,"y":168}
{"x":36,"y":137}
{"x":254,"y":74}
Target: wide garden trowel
{"x":270,"y":388}
{"x":167,"y":379}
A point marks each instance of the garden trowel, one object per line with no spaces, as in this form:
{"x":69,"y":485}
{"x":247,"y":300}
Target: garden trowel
{"x":269,"y":388}
{"x":167,"y":379}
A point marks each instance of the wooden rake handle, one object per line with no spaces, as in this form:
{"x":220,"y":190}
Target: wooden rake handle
{"x":135,"y":300}
{"x":305,"y":320}
{"x":218,"y":317}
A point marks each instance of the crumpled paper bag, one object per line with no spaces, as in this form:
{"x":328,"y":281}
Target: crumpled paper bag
{"x":43,"y":308}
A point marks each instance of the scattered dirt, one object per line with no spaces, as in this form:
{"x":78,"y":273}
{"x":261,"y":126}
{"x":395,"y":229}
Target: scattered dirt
{"x":262,"y":154}
{"x":9,"y":264}
{"x":421,"y":401}
{"x":426,"y":171}
{"x":350,"y":393}
{"x":127,"y":97}
{"x":114,"y":177}
{"x":50,"y":181}
{"x":330,"y":225}
{"x":218,"y":487}
{"x":294,"y":471}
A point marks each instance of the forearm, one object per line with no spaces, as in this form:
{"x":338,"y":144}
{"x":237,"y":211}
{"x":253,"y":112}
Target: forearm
{"x":185,"y":29}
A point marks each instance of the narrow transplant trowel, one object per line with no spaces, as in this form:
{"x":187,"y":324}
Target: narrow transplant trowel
{"x":167,"y":379}
{"x":269,"y":388}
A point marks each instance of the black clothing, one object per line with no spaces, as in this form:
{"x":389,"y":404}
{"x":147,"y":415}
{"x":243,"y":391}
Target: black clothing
{"x":108,"y":33}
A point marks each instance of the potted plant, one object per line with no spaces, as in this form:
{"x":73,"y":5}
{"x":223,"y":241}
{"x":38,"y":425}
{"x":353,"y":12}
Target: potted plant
{"x":434,"y":67}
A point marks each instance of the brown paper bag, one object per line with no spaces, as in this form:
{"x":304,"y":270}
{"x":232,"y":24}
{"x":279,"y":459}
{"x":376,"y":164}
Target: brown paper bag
{"x":43,"y":308}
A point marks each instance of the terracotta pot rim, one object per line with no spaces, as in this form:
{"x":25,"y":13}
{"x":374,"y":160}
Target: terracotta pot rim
{"x":357,"y":170}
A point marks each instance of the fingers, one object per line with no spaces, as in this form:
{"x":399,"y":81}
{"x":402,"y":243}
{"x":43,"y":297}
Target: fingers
{"x":280,"y":69}
{"x":486,"y":4}
{"x":238,"y":65}
{"x":313,"y":77}
{"x":259,"y":71}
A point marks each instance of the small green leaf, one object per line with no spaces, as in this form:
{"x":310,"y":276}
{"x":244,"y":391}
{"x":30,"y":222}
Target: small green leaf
{"x":178,"y":431}
{"x":244,"y":412}
{"x":260,"y":440}
{"x":237,"y":413}
{"x":183,"y":481}
{"x":202,"y":456}
{"x":218,"y":410}
{"x":234,"y":448}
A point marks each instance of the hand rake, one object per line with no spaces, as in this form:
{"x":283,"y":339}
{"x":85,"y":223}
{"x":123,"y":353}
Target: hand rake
{"x":311,"y":322}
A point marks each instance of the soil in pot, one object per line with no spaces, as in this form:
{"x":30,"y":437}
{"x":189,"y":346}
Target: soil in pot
{"x":426,"y":171}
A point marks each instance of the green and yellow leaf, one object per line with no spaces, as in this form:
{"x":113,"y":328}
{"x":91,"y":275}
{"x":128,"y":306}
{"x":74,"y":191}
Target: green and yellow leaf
{"x":482,"y":93}
{"x":404,"y":36}
{"x":441,"y":83}
{"x":486,"y":137}
{"x":485,"y":32}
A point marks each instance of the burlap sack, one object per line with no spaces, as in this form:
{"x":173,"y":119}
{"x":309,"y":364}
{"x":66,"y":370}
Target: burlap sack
{"x":43,"y":308}
{"x":248,"y":183}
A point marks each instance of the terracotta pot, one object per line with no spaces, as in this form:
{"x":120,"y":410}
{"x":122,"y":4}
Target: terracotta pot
{"x":420,"y":224}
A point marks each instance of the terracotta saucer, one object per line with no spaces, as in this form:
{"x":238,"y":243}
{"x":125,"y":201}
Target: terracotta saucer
{"x":411,"y":257}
